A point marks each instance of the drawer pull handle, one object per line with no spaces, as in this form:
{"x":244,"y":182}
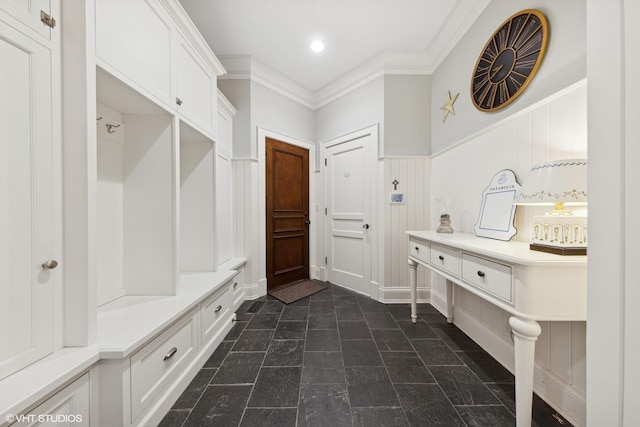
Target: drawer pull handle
{"x":480,"y":273}
{"x":218,"y":308}
{"x":235,"y":285}
{"x":440,"y":257}
{"x":170,"y":354}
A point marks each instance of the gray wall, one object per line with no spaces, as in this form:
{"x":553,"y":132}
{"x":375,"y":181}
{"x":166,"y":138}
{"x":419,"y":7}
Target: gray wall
{"x":564,"y":64}
{"x":258,"y":105}
{"x":407,"y":112}
{"x":238,"y":92}
{"x":357,"y":110}
{"x":274,"y":112}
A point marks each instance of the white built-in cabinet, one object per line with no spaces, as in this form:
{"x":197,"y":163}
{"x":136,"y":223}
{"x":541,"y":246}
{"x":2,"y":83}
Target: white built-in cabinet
{"x":151,"y":273}
{"x":30,"y":184}
{"x":225,"y":221}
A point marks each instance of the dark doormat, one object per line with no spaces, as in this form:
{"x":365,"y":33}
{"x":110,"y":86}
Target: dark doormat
{"x":298,"y":291}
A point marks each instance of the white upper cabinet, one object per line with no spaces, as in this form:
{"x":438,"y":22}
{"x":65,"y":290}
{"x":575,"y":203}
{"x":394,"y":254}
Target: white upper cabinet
{"x":41,"y":16}
{"x":196,"y":89}
{"x":134,"y":38}
{"x":30,"y":222}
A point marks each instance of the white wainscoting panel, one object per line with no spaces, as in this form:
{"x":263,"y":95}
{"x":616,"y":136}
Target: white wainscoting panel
{"x":412,"y":173}
{"x":245,"y":187}
{"x":550,"y":130}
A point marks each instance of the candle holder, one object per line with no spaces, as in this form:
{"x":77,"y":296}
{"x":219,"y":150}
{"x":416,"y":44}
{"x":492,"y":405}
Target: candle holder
{"x":445,"y":206}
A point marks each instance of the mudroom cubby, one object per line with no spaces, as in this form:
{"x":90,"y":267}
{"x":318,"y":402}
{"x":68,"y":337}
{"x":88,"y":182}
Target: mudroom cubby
{"x":135,"y":213}
{"x":197,"y":202}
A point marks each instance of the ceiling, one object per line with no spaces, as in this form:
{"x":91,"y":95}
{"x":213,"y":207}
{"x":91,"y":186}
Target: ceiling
{"x":416,"y":34}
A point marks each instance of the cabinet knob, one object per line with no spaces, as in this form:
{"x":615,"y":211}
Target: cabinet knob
{"x":218,"y":308}
{"x":417,"y":249}
{"x":178,"y":101}
{"x":235,"y":285}
{"x":440,"y":257}
{"x":366,"y":226}
{"x":480,"y":273}
{"x":50,"y":264}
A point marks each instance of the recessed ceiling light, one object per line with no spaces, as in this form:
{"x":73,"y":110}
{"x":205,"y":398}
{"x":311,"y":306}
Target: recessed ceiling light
{"x":317,"y":46}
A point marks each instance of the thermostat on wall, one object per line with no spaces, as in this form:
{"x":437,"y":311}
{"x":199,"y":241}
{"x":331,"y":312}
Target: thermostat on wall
{"x":397,"y":198}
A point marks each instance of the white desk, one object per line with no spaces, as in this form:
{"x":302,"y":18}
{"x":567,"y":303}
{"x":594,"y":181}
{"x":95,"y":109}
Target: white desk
{"x":529,"y":285}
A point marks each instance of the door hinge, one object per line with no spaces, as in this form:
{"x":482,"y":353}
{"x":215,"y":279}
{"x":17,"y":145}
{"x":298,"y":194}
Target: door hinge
{"x":325,"y":261}
{"x":325,"y":162}
{"x":47,"y":19}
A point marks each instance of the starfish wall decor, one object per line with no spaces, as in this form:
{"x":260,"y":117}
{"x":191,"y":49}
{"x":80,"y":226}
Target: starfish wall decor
{"x":448,"y":106}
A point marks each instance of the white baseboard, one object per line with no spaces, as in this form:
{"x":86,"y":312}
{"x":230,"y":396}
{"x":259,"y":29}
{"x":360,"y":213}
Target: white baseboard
{"x":255,"y":290}
{"x":559,"y":394}
{"x":402,"y":295}
{"x":317,"y":273}
{"x":439,"y":301}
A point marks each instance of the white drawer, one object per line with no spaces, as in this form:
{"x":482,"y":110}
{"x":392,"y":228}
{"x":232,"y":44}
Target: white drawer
{"x":214,"y":310}
{"x":445,"y":258}
{"x":238,"y":289}
{"x":154,"y":366}
{"x":487,"y":275}
{"x":419,"y":249}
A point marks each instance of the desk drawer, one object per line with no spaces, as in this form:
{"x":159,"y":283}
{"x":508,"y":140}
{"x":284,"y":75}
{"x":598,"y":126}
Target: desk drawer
{"x":155,"y":365}
{"x":445,"y":258}
{"x":419,"y":249}
{"x":487,"y":275}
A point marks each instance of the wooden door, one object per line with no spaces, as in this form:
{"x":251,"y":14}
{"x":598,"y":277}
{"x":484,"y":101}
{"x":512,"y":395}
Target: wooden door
{"x":287,"y":181}
{"x":348,"y":198}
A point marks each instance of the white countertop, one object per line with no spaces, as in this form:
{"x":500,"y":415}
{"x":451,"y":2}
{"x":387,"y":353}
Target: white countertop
{"x":512,"y":251}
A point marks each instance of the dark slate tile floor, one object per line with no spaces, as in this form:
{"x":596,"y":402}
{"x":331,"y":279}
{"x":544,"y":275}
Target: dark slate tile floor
{"x":337,"y":358}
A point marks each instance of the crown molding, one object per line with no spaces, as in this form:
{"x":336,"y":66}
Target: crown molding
{"x":244,"y":67}
{"x":189,"y":31}
{"x":385,"y":63}
{"x":462,"y":16}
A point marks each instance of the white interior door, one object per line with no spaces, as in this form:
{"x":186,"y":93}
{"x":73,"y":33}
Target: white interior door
{"x":348,"y":182}
{"x":27,"y":226}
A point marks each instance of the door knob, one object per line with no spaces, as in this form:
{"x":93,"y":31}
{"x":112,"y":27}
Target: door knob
{"x":50,"y":264}
{"x":366,"y":226}
{"x":307,"y":222}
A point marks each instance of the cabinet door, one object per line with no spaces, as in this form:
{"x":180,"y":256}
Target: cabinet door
{"x":28,"y":12}
{"x":197,"y":90}
{"x":28,"y":190}
{"x":224,"y":208}
{"x":134,"y":37}
{"x":69,"y":407}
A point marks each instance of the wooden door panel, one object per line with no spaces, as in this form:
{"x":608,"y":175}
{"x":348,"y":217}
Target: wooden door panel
{"x":287,"y":180}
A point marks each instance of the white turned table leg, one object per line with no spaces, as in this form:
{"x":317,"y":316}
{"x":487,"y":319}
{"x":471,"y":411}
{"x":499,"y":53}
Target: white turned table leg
{"x":525,"y":334}
{"x":449,"y":301}
{"x":413,"y":284}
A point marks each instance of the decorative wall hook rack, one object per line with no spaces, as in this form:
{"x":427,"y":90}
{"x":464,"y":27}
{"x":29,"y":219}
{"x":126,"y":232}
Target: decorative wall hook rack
{"x":395,"y":184}
{"x":110,"y":127}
